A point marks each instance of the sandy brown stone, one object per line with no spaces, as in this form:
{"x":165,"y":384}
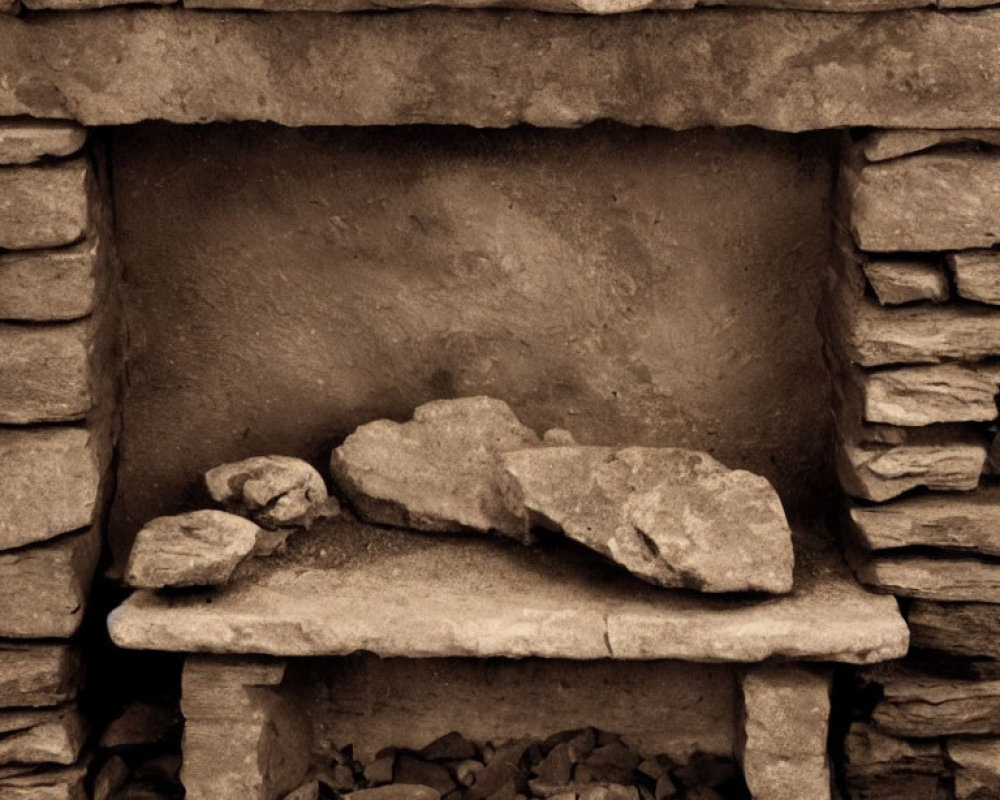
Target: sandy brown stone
{"x":42,"y":736}
{"x":198,"y":548}
{"x":439,"y":472}
{"x":977,"y":275}
{"x":930,"y":578}
{"x":964,"y":629}
{"x":882,"y":767}
{"x":25,"y":141}
{"x":967,"y":521}
{"x":45,"y":285}
{"x":271,"y":490}
{"x":931,"y":394}
{"x":49,"y":483}
{"x":38,"y":674}
{"x":672,"y":517}
{"x":46,"y":586}
{"x":885,"y":144}
{"x":45,"y":783}
{"x":43,"y":206}
{"x":897,"y":282}
{"x":44,"y":373}
{"x":977,"y":768}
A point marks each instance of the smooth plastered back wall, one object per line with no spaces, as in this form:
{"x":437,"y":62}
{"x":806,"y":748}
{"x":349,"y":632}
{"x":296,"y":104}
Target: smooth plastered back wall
{"x":632,"y":285}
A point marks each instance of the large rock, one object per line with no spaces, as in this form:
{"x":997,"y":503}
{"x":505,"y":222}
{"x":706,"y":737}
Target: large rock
{"x":963,"y":629}
{"x":882,"y":767}
{"x":977,"y":275}
{"x":38,"y":674}
{"x":198,"y":548}
{"x":49,"y":483}
{"x":45,"y":783}
{"x":44,"y":285}
{"x":914,"y":396}
{"x":967,"y":521}
{"x":930,"y":577}
{"x":977,"y":768}
{"x":439,"y":472}
{"x":897,"y":282}
{"x":42,"y":736}
{"x":272,"y":490}
{"x":43,"y":206}
{"x":672,"y":517}
{"x":24,"y":141}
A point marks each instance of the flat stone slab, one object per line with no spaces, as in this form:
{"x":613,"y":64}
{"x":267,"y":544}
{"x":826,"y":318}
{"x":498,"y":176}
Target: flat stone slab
{"x":977,"y":275}
{"x":25,"y":141}
{"x":344,"y":587}
{"x":43,"y":206}
{"x":898,"y":282}
{"x":46,"y":285}
{"x":38,"y":674}
{"x":931,"y":394}
{"x":44,"y":783}
{"x":964,"y":629}
{"x":958,"y":579}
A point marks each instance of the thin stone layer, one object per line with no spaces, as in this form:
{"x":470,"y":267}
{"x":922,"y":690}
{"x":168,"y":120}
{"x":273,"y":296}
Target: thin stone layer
{"x":962,"y":629}
{"x":977,"y":275}
{"x":25,"y":141}
{"x":914,"y":396}
{"x":953,"y":579}
{"x":38,"y":674}
{"x":897,"y":282}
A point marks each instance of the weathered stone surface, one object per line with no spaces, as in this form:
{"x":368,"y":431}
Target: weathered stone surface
{"x":49,"y":483}
{"x":271,"y":490}
{"x":936,"y":201}
{"x":44,"y":373}
{"x":43,"y":206}
{"x":142,"y":723}
{"x":886,"y":144}
{"x":977,"y":275}
{"x":40,"y":286}
{"x":566,"y":6}
{"x":882,"y":463}
{"x":964,"y":629}
{"x":672,"y":517}
{"x":396,"y":791}
{"x":307,"y":791}
{"x":968,"y":521}
{"x":110,"y":778}
{"x":796,"y":71}
{"x":897,"y":282}
{"x":927,"y":395}
{"x":439,"y":472}
{"x":882,"y":767}
{"x":46,"y":586}
{"x":24,"y":141}
{"x":786,"y":712}
{"x":472,"y":596}
{"x":930,"y":578}
{"x":38,"y":674}
{"x":977,"y":768}
{"x":42,"y":736}
{"x":45,"y":783}
{"x":199,"y":548}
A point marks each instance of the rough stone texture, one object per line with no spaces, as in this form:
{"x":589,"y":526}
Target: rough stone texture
{"x":969,"y":521}
{"x":977,"y":768}
{"x":43,"y":206}
{"x":45,"y":783}
{"x":48,"y":285}
{"x":882,"y":463}
{"x":566,"y":6}
{"x":671,"y":517}
{"x":199,"y":548}
{"x":638,"y":318}
{"x":25,"y":141}
{"x":882,"y":767}
{"x":885,"y":144}
{"x":786,"y":712}
{"x":45,"y":373}
{"x":929,"y":577}
{"x":42,"y":736}
{"x":46,"y":586}
{"x":477,"y":596}
{"x":964,"y":629}
{"x":441,"y":471}
{"x":242,"y":741}
{"x":271,"y":490}
{"x":38,"y":674}
{"x":977,"y":275}
{"x":49,"y":483}
{"x":795,"y":71}
{"x":926,"y":395}
{"x":142,"y":723}
{"x":897,"y":282}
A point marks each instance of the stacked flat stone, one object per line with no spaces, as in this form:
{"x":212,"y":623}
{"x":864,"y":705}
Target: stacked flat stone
{"x":914,"y":336}
{"x":53,"y":447}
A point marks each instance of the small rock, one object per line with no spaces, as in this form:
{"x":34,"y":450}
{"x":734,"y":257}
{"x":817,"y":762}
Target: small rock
{"x":977,"y":275}
{"x":340,"y":778}
{"x":466,"y":771}
{"x":307,"y":791}
{"x":706,"y":769}
{"x":652,"y":768}
{"x":617,"y":791}
{"x":664,"y":787}
{"x":271,"y":542}
{"x":111,"y":777}
{"x":425,"y":773}
{"x":22,"y":142}
{"x":380,"y":770}
{"x":199,"y":548}
{"x":450,"y":747}
{"x":143,"y":723}
{"x":977,"y":773}
{"x":612,"y":763}
{"x":582,"y":745}
{"x":395,"y":791}
{"x":594,"y":791}
{"x":505,"y":767}
{"x":508,"y":791}
{"x":564,"y":796}
{"x":274,"y":491}
{"x":557,"y":766}
{"x":897,"y":282}
{"x":558,"y":437}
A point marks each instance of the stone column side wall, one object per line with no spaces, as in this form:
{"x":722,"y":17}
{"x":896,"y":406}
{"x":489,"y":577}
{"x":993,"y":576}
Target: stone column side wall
{"x":913,"y":334}
{"x":59,"y":343}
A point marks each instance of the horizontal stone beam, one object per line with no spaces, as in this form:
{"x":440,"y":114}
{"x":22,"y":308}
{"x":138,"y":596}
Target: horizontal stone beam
{"x":782,"y":70}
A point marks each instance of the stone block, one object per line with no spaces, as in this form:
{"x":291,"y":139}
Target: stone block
{"x":930,"y":577}
{"x":914,"y":396}
{"x":47,"y":285}
{"x":878,"y":766}
{"x":25,"y":141}
{"x":43,"y":206}
{"x":44,"y":783}
{"x":897,"y":282}
{"x":962,"y":629}
{"x":38,"y":674}
{"x":42,"y":736}
{"x":977,"y":275}
{"x":977,"y":768}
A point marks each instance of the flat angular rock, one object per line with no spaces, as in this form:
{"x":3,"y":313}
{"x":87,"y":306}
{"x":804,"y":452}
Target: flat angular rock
{"x":882,"y":767}
{"x":913,"y":396}
{"x":963,"y":629}
{"x":897,"y":282}
{"x":25,"y":141}
{"x":48,"y":285}
{"x":38,"y":674}
{"x":42,"y":736}
{"x":45,"y":783}
{"x":45,"y":373}
{"x":142,"y":724}
{"x":977,"y":275}
{"x":439,"y":472}
{"x":43,"y":206}
{"x":967,"y":521}
{"x":46,"y":586}
{"x":199,"y":548}
{"x":944,"y":200}
{"x":49,"y":483}
{"x":672,"y":517}
{"x":272,"y":490}
{"x":977,"y":768}
{"x":930,"y":578}
{"x":886,"y":144}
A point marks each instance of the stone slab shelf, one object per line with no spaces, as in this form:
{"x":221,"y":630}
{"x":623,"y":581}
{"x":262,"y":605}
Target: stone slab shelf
{"x":347,"y":587}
